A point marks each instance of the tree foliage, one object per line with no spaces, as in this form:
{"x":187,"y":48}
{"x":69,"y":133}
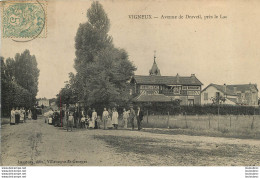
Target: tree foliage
{"x":19,"y":81}
{"x":102,"y":70}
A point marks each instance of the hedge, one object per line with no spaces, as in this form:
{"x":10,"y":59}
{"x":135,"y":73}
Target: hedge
{"x":174,"y":109}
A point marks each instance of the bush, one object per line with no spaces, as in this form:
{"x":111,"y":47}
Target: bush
{"x":176,"y":109}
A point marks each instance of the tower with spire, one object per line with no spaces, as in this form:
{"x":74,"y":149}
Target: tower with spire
{"x":154,"y":70}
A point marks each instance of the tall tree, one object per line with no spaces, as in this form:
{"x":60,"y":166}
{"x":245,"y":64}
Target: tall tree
{"x":26,"y":72}
{"x":19,"y":81}
{"x":102,"y":71}
{"x":92,"y":36}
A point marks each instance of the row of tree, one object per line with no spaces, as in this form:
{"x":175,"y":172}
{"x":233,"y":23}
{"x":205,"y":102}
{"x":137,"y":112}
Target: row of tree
{"x":102,"y":70}
{"x":19,"y":81}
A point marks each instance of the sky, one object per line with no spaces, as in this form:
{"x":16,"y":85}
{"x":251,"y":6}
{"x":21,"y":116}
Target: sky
{"x":215,"y":50}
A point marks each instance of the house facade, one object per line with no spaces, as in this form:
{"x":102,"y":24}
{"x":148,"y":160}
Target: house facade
{"x":245,"y":94}
{"x":44,"y":102}
{"x":157,"y":88}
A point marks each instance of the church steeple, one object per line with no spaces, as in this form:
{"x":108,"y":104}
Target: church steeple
{"x":154,"y":57}
{"x":154,"y":70}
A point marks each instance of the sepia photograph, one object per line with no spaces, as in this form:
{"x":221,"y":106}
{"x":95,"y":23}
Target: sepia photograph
{"x":130,"y":83}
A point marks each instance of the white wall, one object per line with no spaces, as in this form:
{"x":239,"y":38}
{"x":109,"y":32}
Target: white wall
{"x":43,"y":102}
{"x":212,"y":94}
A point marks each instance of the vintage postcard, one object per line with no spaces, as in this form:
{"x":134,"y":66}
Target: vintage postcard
{"x":130,"y":83}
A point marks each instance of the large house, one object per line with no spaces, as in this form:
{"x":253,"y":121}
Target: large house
{"x":245,"y":94}
{"x":157,"y":88}
{"x":43,"y":102}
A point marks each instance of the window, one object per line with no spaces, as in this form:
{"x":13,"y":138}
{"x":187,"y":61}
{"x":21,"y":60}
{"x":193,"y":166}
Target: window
{"x":217,"y":94}
{"x":190,"y":102}
{"x":205,"y":96}
{"x":177,"y":90}
{"x":193,"y":87}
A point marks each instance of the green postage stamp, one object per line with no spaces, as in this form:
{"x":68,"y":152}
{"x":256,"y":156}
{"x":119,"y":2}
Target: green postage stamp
{"x":24,"y":19}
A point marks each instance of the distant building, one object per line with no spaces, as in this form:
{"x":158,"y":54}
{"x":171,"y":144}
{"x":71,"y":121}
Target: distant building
{"x":43,"y":101}
{"x":245,"y":94}
{"x":53,"y":103}
{"x":157,"y":88}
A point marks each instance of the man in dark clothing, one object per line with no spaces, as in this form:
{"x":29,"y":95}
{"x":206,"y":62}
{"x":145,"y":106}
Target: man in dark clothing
{"x":140,"y":116}
{"x":34,"y":113}
{"x":76,"y":118}
{"x":17,"y":116}
{"x":89,"y":113}
{"x":56,"y":119}
{"x":62,"y":115}
{"x":132,"y":117}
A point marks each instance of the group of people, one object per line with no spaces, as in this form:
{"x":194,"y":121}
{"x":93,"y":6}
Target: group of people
{"x":90,"y":119}
{"x":21,"y":114}
{"x":110,"y":119}
{"x":53,"y":117}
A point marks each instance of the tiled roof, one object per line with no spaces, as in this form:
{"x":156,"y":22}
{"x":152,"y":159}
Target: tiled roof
{"x":222,"y":89}
{"x":230,"y":89}
{"x":243,"y":87}
{"x":167,"y":80}
{"x":152,"y":98}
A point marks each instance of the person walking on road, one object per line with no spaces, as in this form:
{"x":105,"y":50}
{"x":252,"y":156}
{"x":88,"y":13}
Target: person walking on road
{"x":34,"y":113}
{"x":125,"y":117}
{"x":115,"y":118}
{"x":132,"y":117}
{"x":70,"y":122}
{"x":17,"y":115}
{"x":89,"y":113}
{"x":105,"y":117}
{"x":29,"y":114}
{"x":83,"y":122}
{"x":76,"y":117}
{"x":66,"y":117}
{"x":93,"y":119}
{"x":22,"y":113}
{"x":12,"y":117}
{"x":139,"y":117}
{"x":109,"y":119}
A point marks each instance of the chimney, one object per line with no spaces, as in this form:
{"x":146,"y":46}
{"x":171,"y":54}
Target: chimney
{"x":192,"y":78}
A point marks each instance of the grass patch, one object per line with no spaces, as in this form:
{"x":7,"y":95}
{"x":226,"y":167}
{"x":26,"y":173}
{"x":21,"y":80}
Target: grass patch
{"x":210,"y":133}
{"x":163,"y":152}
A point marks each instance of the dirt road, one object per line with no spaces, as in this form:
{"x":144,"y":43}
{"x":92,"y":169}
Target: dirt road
{"x":39,"y":144}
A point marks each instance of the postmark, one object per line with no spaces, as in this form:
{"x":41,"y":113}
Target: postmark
{"x":24,"y":19}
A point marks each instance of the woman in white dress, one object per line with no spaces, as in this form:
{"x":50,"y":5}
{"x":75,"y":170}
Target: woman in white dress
{"x":93,"y":119}
{"x":29,"y":114}
{"x":125,"y":117}
{"x":115,"y":118}
{"x":21,"y":115}
{"x":109,"y":119}
{"x":12,"y":119}
{"x":105,"y":117}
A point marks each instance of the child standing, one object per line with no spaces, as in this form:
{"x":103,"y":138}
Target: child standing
{"x":83,"y":122}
